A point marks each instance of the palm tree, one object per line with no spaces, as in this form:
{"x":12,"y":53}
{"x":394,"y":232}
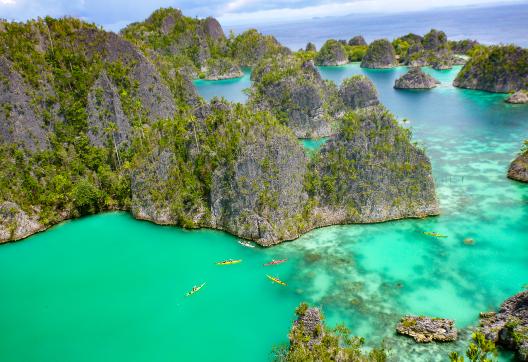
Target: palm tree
{"x":111,"y":129}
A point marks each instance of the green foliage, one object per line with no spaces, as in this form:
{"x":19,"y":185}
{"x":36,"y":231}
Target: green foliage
{"x":478,"y":351}
{"x":401,"y":47}
{"x":356,"y":52}
{"x":330,"y":52}
{"x":249,"y":47}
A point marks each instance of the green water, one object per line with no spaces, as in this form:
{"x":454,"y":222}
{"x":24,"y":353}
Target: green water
{"x":111,"y":288}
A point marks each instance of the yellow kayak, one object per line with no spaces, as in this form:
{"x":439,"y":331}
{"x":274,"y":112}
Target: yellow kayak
{"x":229,"y":262}
{"x":276,"y":280}
{"x":436,"y":235}
{"x":194,"y":290}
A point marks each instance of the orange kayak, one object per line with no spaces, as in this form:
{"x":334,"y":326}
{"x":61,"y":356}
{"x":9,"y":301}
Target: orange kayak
{"x":276,"y":280}
{"x":275,"y":262}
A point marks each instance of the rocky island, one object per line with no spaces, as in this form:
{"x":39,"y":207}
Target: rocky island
{"x":415,"y":78}
{"x":380,"y":54}
{"x":519,"y":167}
{"x":519,"y":97}
{"x":332,"y":52}
{"x":427,"y":329}
{"x":499,"y":69}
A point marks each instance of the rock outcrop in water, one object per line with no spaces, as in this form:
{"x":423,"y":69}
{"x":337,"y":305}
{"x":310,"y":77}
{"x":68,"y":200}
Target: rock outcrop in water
{"x":427,"y":329}
{"x":380,"y":54}
{"x":297,"y":95}
{"x":16,"y":224}
{"x":332,"y":53}
{"x":519,"y":168}
{"x":371,"y":173}
{"x":430,"y":50}
{"x":509,"y":326}
{"x":519,"y":97}
{"x":500,"y":69}
{"x":358,"y":91}
{"x":415,"y":78}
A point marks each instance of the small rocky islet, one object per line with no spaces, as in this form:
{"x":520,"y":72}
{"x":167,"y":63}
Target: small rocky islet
{"x":415,"y":78}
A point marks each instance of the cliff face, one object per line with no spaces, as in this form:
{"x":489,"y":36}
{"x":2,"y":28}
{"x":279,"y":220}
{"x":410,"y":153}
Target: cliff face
{"x":372,"y":173}
{"x":332,"y":53}
{"x":432,"y":49}
{"x":358,"y":91}
{"x":296,"y":94}
{"x":380,"y":54}
{"x":497,"y":69}
{"x":509,"y":326}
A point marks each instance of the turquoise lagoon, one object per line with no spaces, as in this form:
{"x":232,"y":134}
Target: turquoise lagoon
{"x":109,"y":287}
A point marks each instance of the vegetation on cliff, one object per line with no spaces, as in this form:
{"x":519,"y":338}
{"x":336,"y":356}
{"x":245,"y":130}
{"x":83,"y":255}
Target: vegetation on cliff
{"x":380,"y":54}
{"x":495,"y":69}
{"x":332,"y":52}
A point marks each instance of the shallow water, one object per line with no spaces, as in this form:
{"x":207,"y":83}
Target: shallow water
{"x":111,"y":288}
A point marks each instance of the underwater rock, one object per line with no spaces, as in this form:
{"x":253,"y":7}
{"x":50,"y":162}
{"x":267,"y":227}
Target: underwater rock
{"x":519,"y":97}
{"x":380,"y":54}
{"x":427,"y":329}
{"x":509,"y":326}
{"x":415,"y":78}
{"x":519,"y":168}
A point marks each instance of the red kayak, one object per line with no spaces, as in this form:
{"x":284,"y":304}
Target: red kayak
{"x":275,"y":262}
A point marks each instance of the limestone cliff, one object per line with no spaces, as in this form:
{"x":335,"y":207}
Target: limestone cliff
{"x":500,"y":69}
{"x":380,"y":54}
{"x":415,"y":78}
{"x":332,"y":53}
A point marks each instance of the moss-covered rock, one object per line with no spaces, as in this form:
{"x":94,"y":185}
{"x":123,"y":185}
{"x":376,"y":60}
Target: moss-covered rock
{"x":496,"y":69}
{"x":415,"y":78}
{"x":380,"y":54}
{"x":519,"y":167}
{"x":332,"y":52}
{"x":426,"y":329}
{"x":297,"y":95}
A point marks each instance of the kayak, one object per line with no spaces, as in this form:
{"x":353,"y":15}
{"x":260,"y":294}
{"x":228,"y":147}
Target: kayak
{"x":247,"y":244}
{"x":229,"y":262}
{"x":194,"y":290}
{"x":436,"y":235}
{"x":276,"y":280}
{"x":275,"y":262}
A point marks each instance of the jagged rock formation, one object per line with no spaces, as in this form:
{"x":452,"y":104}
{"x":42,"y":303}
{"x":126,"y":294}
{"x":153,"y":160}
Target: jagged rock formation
{"x":331,"y":53}
{"x":509,"y":326}
{"x":307,"y":330}
{"x":519,"y":168}
{"x":500,"y":69}
{"x":296,"y":94}
{"x":357,"y":40}
{"x":250,"y":47}
{"x":433,"y":50}
{"x":196,"y":45}
{"x":358,"y":92}
{"x":519,"y":97}
{"x":415,"y":78}
{"x":372,"y":172}
{"x":462,"y":46}
{"x":427,"y":329}
{"x":222,"y":68}
{"x":380,"y":54}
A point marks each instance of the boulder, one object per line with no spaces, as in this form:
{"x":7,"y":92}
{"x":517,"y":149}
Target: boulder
{"x":427,"y":329}
{"x":509,"y":326}
{"x":519,"y":97}
{"x":415,"y":78}
{"x":357,"y":40}
{"x":519,"y":168}
{"x":380,"y":54}
{"x":358,"y":92}
{"x":332,"y":53}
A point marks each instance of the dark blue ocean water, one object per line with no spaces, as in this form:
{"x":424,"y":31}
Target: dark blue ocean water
{"x":489,"y":25}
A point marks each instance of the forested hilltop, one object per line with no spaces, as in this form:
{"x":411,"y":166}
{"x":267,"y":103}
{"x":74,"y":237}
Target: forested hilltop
{"x":90,"y":121}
